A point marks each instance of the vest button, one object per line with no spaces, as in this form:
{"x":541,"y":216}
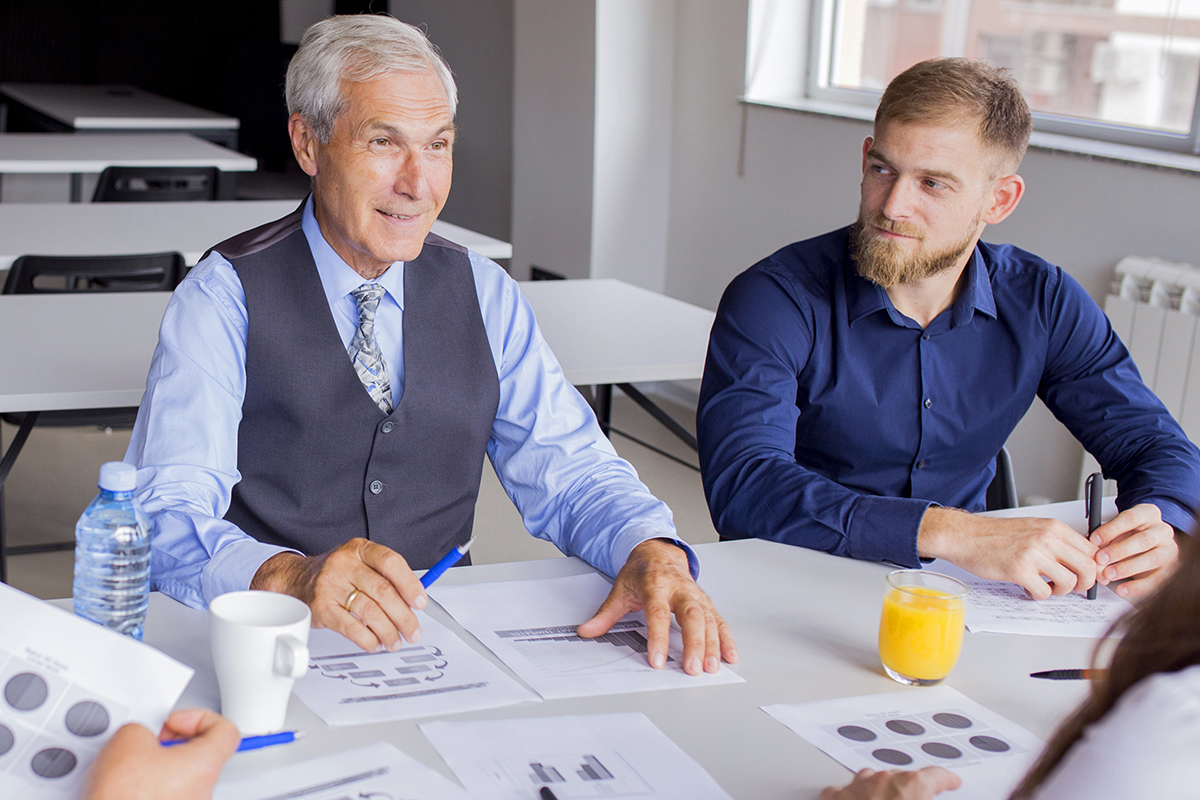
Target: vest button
{"x":376,"y":487}
{"x":388,"y":426}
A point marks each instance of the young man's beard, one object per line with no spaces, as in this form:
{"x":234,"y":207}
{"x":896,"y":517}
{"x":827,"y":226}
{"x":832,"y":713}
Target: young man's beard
{"x":886,"y":262}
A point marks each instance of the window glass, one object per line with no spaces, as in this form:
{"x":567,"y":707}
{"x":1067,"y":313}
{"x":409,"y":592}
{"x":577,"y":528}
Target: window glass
{"x":1130,"y":63}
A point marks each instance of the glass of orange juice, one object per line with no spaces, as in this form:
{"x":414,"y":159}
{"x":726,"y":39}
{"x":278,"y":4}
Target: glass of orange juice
{"x":921,"y":628}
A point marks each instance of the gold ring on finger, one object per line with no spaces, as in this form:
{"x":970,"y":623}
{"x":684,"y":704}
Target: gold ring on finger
{"x":349,"y":600}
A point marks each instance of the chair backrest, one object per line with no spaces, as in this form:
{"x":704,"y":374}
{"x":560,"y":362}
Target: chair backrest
{"x":149,"y":184}
{"x":151,"y":272}
{"x":1002,"y":491}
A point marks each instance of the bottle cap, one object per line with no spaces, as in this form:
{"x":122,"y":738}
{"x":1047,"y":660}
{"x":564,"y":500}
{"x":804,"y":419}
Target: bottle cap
{"x":117,"y":476}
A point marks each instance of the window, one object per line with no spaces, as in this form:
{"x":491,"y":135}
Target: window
{"x":1119,"y":70}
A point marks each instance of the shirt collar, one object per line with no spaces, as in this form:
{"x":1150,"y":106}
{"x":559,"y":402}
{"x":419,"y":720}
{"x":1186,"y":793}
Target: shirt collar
{"x":337,"y":277}
{"x":864,"y":297}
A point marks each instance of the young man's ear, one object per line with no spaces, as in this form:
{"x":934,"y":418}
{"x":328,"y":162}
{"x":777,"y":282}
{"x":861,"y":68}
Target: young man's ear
{"x":1006,"y":194}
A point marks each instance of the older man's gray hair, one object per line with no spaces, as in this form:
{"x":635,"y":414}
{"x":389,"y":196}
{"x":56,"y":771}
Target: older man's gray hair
{"x":356,"y":47}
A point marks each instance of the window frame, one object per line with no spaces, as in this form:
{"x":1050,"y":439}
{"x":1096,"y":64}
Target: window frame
{"x":819,"y":59}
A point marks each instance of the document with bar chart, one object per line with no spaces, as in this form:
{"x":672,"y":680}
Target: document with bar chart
{"x":441,"y":674}
{"x":530,"y":626}
{"x":577,"y":757}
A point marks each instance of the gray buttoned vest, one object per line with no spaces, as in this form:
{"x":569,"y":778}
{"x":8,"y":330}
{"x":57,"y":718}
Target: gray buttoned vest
{"x":320,"y":462}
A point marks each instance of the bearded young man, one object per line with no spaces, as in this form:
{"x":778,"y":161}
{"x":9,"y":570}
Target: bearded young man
{"x":859,"y":385}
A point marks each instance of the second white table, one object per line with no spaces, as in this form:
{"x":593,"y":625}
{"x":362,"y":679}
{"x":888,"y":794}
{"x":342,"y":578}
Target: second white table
{"x":70,"y":154}
{"x":99,"y":229}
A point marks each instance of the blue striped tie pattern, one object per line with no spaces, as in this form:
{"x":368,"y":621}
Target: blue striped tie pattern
{"x":364,"y":350}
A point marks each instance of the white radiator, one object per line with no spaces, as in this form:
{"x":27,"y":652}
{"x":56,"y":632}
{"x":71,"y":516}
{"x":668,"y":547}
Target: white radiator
{"x":1154,"y":306}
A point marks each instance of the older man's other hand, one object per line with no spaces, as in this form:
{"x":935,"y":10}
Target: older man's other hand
{"x":656,"y":580}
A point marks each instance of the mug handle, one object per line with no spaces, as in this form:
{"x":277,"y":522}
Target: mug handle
{"x":291,"y":657}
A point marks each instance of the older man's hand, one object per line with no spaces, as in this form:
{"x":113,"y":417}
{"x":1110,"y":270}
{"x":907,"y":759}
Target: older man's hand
{"x":656,"y":580}
{"x":363,"y":590}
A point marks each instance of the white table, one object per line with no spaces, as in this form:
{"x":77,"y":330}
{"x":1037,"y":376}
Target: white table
{"x":107,"y":107}
{"x":97,"y":229}
{"x":607,"y":332}
{"x":806,"y":626}
{"x":66,"y":153}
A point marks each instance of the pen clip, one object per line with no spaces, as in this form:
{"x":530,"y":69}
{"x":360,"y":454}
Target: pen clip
{"x":1087,"y":496}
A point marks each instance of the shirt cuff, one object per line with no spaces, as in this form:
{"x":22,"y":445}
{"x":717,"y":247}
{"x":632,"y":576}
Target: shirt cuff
{"x":1174,"y":514}
{"x":631,"y":538}
{"x":885,"y":529}
{"x":233,"y":567}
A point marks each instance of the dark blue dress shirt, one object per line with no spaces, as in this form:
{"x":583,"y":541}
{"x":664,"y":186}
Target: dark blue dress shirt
{"x":828,"y":419}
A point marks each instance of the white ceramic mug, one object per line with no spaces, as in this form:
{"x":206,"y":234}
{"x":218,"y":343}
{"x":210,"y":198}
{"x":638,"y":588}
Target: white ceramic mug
{"x":259,"y":648}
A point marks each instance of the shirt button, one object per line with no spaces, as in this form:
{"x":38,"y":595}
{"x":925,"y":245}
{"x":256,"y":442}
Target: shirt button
{"x":376,"y":487}
{"x":921,"y":464}
{"x":388,"y":426}
{"x":925,"y":336}
{"x":928,"y":403}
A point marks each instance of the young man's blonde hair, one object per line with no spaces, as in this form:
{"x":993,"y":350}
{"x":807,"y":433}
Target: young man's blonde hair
{"x":944,"y":91}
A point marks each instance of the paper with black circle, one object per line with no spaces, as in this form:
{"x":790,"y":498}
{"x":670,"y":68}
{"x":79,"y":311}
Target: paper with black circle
{"x":66,"y":685}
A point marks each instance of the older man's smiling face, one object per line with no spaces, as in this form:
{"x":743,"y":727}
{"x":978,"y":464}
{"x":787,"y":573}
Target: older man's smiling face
{"x":383,"y":177}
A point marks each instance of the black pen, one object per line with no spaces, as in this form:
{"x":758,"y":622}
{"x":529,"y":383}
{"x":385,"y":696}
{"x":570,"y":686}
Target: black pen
{"x":1069,"y":674}
{"x":1094,"y":499}
{"x":547,"y":794}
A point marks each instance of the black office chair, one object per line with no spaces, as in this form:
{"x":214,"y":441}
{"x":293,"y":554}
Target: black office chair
{"x":1002,"y":491}
{"x":155,"y":184}
{"x":153,"y":272}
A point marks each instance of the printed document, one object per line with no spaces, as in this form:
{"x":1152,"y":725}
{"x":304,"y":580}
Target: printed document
{"x":576,"y":757}
{"x":1000,"y":607}
{"x":439,"y":675}
{"x":68,"y":685}
{"x":378,"y":771}
{"x":915,"y":729}
{"x":530,"y":626}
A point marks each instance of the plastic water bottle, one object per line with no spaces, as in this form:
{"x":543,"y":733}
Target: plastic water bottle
{"x":112,"y":555}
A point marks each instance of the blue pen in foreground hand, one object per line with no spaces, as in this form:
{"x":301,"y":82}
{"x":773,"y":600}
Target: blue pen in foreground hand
{"x":448,"y":561}
{"x":253,"y":742}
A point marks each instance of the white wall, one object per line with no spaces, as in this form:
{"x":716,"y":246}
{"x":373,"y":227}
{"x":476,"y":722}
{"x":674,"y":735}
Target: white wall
{"x":801,"y":179}
{"x":635,"y":57}
{"x":554,"y":79}
{"x":476,"y":39}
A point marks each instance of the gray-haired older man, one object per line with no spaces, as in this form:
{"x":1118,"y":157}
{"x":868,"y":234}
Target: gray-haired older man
{"x":326,"y":387}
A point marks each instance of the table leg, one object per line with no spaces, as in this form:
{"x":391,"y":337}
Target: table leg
{"x":602,"y":405}
{"x":76,"y":187}
{"x":6,"y":464}
{"x":662,"y":416}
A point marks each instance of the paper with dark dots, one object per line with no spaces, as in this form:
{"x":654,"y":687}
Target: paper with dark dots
{"x":66,"y":685}
{"x":915,"y":729}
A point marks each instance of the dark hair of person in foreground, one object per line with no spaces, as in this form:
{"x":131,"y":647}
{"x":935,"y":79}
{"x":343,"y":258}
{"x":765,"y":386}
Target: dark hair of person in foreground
{"x":1161,"y":635}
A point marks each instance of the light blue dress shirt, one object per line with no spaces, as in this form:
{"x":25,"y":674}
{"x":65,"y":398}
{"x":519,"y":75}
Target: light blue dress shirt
{"x":553,"y":460}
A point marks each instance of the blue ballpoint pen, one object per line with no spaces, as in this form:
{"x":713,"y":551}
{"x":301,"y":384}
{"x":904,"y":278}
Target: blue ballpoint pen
{"x":448,"y":561}
{"x":253,"y":742}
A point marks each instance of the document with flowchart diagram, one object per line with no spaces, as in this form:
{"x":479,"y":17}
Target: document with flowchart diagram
{"x":530,"y":626}
{"x":439,"y":675}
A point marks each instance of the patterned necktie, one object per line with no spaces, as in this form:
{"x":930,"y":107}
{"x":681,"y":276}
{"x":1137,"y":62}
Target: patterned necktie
{"x":364,"y":350}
